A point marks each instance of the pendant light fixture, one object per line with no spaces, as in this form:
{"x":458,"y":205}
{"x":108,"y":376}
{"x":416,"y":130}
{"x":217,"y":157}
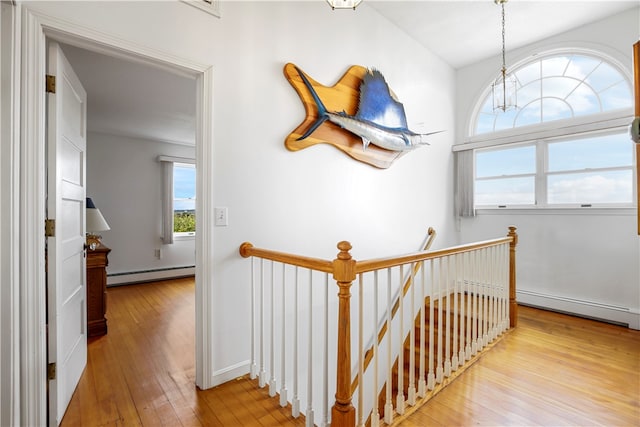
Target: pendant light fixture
{"x":505,"y":86}
{"x":344,"y":4}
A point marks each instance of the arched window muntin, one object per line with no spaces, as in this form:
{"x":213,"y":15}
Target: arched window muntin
{"x":536,"y":93}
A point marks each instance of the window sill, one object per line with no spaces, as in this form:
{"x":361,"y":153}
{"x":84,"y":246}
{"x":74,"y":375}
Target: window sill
{"x":183,"y":236}
{"x":568,"y":210}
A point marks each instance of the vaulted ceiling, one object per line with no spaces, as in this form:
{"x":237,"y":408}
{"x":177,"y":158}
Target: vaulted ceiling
{"x":132,"y":99}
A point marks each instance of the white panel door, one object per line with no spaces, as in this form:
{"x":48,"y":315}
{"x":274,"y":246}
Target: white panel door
{"x":66,"y":272}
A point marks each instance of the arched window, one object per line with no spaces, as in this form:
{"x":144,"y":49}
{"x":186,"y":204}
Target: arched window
{"x":558,"y":86}
{"x":565,"y":145}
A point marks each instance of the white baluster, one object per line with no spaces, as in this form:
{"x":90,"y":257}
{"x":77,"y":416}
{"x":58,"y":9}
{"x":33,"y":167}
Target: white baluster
{"x":505,"y":286}
{"x":375,"y":412}
{"x":254,"y":368}
{"x":422,"y":382}
{"x":447,"y":296}
{"x":411,"y":394}
{"x":474,"y":299}
{"x":283,"y":382}
{"x":485,"y":299}
{"x":262,"y":375}
{"x":462,"y":268}
{"x":400,"y":395}
{"x":295,"y":403}
{"x":454,"y":272}
{"x":440,"y":361}
{"x":325,"y":366}
{"x":309,"y":413}
{"x":388,"y":406}
{"x":431,"y":378}
{"x":360,"y":408}
{"x":469,"y":305}
{"x":272,"y":381}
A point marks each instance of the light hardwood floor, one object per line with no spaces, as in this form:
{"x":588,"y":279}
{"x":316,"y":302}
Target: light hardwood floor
{"x":551,"y":370}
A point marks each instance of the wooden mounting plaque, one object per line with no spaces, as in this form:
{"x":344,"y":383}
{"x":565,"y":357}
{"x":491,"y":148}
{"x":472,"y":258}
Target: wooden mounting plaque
{"x":342,"y":96}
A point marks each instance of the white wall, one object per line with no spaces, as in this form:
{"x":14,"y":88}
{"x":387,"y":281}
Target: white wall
{"x":306,"y":201}
{"x":124,"y":181}
{"x":584,"y":262}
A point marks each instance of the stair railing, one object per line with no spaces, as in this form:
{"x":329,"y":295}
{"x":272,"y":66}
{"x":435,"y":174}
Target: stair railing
{"x":478,"y":277}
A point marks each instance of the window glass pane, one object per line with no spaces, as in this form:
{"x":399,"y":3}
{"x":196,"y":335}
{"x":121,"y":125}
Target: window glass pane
{"x":617,"y":96}
{"x":603,"y":77}
{"x":509,"y":161}
{"x":591,"y":187}
{"x":584,"y":100}
{"x":581,"y":66}
{"x":505,"y":191}
{"x":504,"y":119}
{"x":555,"y":109}
{"x":598,"y":152}
{"x":528,"y":93}
{"x":558,"y":87}
{"x":554,"y":66}
{"x":531,"y":114}
{"x":485,"y":123}
{"x":528,"y":73}
{"x":184,"y":198}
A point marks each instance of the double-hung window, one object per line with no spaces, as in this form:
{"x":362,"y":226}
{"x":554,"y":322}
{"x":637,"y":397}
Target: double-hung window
{"x":587,"y":170}
{"x":184,"y":199}
{"x":178,"y":198}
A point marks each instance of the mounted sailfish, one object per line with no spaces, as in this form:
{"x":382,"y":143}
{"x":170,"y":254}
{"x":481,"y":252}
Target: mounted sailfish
{"x":380,"y":119}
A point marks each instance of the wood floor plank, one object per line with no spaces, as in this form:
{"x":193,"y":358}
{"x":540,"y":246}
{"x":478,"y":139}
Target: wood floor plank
{"x":552,"y":370}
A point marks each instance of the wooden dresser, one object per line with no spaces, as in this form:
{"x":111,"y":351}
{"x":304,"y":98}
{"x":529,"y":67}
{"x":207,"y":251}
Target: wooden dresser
{"x":97,"y":290}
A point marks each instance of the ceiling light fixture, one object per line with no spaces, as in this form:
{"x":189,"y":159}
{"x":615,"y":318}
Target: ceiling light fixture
{"x":344,"y":4}
{"x":505,"y":86}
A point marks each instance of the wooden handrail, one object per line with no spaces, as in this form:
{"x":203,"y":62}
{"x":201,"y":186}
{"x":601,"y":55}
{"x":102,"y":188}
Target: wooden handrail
{"x":247,"y":250}
{"x":382,"y":263}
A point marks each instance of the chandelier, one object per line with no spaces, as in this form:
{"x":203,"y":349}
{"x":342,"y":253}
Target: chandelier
{"x":344,"y":4}
{"x":505,"y":86}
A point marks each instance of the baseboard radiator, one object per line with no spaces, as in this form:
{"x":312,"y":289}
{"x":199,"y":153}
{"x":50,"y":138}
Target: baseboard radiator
{"x":141,"y":276}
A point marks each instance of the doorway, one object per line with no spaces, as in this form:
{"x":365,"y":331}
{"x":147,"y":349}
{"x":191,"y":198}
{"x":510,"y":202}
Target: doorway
{"x":36,"y":29}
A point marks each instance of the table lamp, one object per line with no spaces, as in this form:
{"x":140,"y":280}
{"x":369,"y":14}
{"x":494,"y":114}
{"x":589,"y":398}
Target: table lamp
{"x":95,"y":222}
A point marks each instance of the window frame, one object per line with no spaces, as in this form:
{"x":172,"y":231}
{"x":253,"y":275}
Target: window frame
{"x":580,"y":126}
{"x":542,"y":173}
{"x":183,"y":235}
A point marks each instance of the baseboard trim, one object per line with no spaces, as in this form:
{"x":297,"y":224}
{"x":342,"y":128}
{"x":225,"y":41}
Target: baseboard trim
{"x":627,"y":316}
{"x":231,"y":372}
{"x":131,"y":277}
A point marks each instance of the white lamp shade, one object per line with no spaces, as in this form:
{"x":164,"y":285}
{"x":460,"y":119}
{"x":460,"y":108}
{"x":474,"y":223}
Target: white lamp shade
{"x":95,"y":220}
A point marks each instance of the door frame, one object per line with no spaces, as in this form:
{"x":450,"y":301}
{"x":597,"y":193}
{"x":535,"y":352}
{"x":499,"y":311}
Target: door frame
{"x":36,"y":29}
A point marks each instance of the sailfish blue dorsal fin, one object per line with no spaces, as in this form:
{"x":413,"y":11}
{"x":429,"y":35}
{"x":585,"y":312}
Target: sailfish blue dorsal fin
{"x":376,"y":103}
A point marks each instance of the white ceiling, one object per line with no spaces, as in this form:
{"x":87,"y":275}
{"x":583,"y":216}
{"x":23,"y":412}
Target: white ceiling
{"x":135,"y":100}
{"x":131,"y":99}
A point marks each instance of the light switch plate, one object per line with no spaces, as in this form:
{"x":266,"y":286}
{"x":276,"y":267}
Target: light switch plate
{"x":222,"y":216}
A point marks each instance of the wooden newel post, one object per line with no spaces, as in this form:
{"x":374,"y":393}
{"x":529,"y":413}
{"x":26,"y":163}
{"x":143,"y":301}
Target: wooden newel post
{"x":513,"y":305}
{"x":343,"y":414}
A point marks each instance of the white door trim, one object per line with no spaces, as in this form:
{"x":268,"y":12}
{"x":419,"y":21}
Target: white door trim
{"x":36,"y":28}
{"x":10,"y":215}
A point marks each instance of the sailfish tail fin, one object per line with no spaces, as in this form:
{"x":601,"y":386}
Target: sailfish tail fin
{"x":322,"y":110}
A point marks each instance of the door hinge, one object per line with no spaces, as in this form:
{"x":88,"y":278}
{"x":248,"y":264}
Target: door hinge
{"x":50,"y":84}
{"x":49,"y":227}
{"x":51,"y":371}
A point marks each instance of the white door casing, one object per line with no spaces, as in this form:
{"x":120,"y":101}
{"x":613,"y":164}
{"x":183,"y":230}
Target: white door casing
{"x":66,"y":272}
{"x":35,"y":29}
